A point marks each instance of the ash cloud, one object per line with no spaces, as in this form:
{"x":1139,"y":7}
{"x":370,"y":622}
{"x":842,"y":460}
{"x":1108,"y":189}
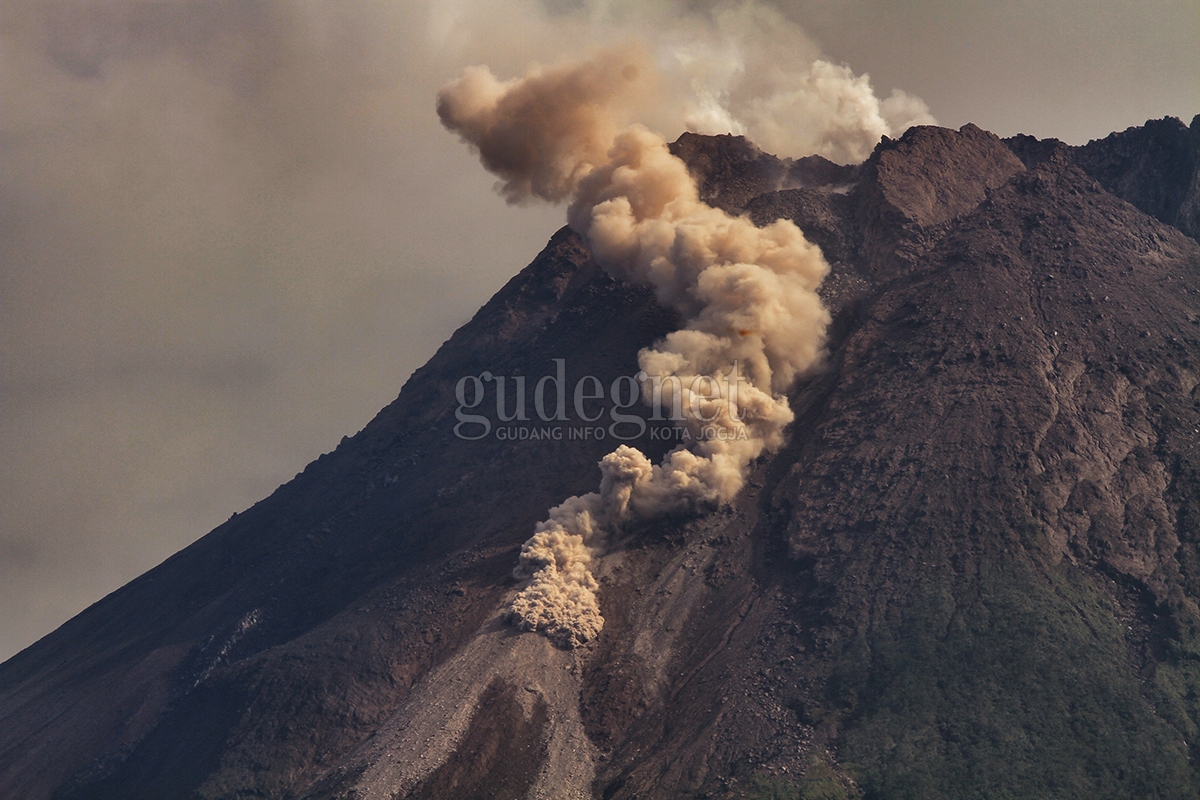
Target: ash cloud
{"x":746,"y":68}
{"x":189,"y":186}
{"x":724,"y":67}
{"x":198,"y":184}
{"x":748,"y":295}
{"x":227,"y":235}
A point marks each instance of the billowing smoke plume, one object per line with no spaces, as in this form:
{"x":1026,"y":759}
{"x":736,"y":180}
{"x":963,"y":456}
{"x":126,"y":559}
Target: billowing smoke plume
{"x":748,"y":294}
{"x":745,"y":68}
{"x":833,"y":111}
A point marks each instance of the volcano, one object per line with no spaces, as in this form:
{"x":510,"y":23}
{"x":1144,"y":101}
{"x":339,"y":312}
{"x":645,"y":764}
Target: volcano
{"x":971,"y":571}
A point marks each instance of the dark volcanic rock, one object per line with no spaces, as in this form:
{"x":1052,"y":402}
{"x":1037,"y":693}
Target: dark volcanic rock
{"x":813,"y":171}
{"x":931,"y":175}
{"x":730,"y":170}
{"x":972,"y":572}
{"x":1034,"y":151}
{"x":260,"y":654}
{"x":927,"y":177}
{"x":1156,"y":167}
{"x":1005,"y":475}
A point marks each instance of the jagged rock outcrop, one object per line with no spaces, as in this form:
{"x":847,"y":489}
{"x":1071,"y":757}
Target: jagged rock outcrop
{"x":1156,"y":168}
{"x":732,"y":171}
{"x":972,"y":572}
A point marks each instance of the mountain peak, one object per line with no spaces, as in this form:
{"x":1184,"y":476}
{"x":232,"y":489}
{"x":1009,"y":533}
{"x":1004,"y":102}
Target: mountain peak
{"x":974,"y":550}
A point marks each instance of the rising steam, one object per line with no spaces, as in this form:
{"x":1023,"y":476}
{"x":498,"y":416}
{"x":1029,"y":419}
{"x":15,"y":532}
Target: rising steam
{"x":748,"y":295}
{"x":745,"y":68}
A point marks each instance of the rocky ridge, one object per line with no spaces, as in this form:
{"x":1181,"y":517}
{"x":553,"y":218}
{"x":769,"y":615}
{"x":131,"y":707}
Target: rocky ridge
{"x":972,"y":571}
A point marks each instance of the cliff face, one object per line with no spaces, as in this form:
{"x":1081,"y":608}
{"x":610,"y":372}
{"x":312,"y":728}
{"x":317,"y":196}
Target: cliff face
{"x":971,"y":572}
{"x":1155,"y":168}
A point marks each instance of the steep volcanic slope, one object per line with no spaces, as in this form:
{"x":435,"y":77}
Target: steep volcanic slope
{"x":1155,"y":168}
{"x":988,"y":510}
{"x":255,"y":657}
{"x":998,"y":502}
{"x":972,"y":572}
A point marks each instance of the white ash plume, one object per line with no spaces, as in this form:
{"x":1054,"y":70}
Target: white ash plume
{"x":731,"y":66}
{"x":748,"y":294}
{"x":748,"y":69}
{"x":833,"y":112}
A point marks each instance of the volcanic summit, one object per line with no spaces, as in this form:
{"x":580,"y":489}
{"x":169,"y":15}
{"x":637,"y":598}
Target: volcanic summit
{"x":969,"y":567}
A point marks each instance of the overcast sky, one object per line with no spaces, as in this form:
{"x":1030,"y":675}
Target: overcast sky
{"x":231,"y":229}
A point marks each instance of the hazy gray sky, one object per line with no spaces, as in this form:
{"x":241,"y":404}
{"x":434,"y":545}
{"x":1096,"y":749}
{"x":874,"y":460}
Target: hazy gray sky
{"x":230,"y":229}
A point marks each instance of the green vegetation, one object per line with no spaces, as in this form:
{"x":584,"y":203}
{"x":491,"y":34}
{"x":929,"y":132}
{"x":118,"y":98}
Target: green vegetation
{"x":819,"y":782}
{"x":1015,"y":682}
